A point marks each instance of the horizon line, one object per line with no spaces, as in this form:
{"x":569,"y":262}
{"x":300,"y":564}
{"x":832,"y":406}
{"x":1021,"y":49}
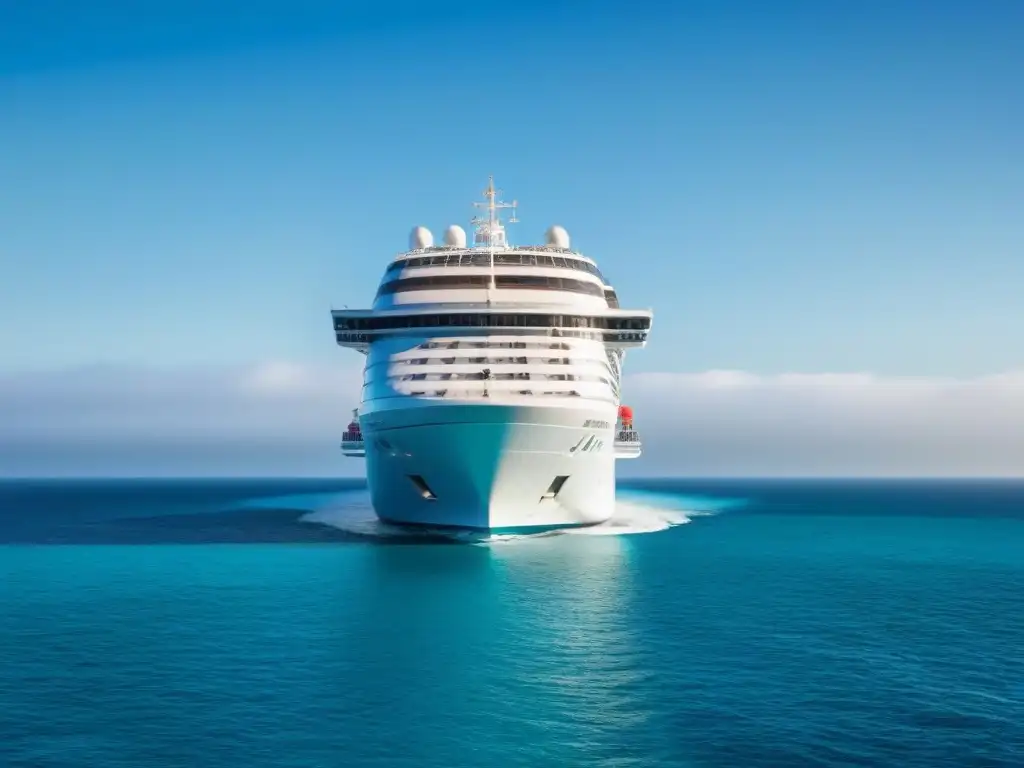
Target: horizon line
{"x":625,"y":480}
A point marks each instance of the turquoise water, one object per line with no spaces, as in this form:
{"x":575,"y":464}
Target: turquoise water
{"x":273,"y":623}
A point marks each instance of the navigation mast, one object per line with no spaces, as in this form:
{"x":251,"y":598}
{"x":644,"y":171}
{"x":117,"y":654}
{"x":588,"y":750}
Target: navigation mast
{"x":491,"y":231}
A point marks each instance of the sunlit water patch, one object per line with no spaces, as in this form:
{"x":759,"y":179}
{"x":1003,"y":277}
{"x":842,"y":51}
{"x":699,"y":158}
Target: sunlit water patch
{"x":690,"y":505}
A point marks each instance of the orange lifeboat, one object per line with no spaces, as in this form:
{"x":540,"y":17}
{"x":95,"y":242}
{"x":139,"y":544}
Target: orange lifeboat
{"x":626,"y":416}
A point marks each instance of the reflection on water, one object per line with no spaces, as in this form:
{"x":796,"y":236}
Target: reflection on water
{"x":575,"y":653}
{"x":530,"y":644}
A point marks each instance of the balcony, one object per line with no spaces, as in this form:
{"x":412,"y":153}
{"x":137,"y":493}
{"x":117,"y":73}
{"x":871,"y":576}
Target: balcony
{"x":627,"y":444}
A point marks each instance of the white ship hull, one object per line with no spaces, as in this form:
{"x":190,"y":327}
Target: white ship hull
{"x":491,"y":466}
{"x":491,"y":387}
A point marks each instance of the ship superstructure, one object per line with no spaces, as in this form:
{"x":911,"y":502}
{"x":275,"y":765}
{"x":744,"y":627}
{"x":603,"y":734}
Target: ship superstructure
{"x":491,"y":386}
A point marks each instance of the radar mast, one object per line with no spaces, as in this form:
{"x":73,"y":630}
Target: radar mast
{"x":491,"y":230}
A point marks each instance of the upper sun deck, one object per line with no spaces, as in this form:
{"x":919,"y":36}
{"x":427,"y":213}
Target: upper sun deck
{"x":492,"y":270}
{"x":493,"y":285}
{"x":441,"y":252}
{"x":511,"y":255}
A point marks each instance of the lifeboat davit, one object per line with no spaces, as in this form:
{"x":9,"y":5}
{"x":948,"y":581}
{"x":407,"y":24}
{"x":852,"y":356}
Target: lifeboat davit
{"x":627,"y":440}
{"x":352,"y":439}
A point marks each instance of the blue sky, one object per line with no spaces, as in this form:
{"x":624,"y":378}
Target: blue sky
{"x":791,"y":186}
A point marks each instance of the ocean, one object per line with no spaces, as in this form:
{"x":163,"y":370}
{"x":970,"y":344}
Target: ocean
{"x":742,"y":623}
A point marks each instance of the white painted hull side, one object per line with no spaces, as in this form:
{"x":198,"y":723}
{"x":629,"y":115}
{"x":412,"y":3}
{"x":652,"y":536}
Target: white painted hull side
{"x":489,"y":466}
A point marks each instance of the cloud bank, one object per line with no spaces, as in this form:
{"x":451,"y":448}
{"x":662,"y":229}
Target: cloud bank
{"x":283,"y":419}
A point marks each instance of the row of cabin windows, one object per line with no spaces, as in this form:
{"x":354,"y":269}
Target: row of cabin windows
{"x":494,"y":360}
{"x":488,"y":320}
{"x":483,"y":259}
{"x":532,"y":362}
{"x":464,"y":344}
{"x":444,"y":393}
{"x":500,"y":360}
{"x":519,"y":376}
{"x":506,"y":361}
{"x":536,"y":282}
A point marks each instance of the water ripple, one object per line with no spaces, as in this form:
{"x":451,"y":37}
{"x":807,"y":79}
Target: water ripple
{"x":749,"y":638}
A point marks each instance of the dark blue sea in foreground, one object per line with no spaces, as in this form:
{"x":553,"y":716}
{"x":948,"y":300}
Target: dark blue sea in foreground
{"x":273,"y":623}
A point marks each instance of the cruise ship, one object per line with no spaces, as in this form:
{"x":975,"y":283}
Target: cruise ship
{"x":490,"y":395}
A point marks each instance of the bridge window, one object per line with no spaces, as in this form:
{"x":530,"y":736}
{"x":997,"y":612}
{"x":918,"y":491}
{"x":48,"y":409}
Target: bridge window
{"x":504,"y":259}
{"x":479,"y":281}
{"x":619,"y":325}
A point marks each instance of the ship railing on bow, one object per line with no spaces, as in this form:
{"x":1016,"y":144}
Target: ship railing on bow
{"x":352,"y":444}
{"x":627,"y":444}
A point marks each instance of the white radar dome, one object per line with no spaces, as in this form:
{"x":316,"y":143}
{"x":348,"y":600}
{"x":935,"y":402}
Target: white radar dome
{"x":455,"y":235}
{"x":558,"y":237}
{"x":420,"y":238}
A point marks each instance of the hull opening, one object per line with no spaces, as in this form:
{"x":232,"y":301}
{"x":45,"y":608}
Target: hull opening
{"x":423,"y":488}
{"x":555,"y":487}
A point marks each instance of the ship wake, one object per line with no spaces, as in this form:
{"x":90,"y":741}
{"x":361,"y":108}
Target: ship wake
{"x":353,"y":514}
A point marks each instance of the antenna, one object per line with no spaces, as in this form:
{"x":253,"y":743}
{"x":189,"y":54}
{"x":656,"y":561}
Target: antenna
{"x":491,"y":231}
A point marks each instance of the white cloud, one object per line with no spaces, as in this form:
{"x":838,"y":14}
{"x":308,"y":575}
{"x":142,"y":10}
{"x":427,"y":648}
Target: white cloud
{"x":274,"y":400}
{"x":738,"y":423}
{"x":285,"y":418}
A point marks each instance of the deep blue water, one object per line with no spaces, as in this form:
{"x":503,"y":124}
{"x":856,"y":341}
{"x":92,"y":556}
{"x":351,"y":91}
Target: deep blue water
{"x":271,"y":623}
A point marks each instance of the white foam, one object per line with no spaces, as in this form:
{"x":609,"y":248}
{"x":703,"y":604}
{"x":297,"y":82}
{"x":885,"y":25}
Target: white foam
{"x":635,"y":517}
{"x":352,"y":512}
